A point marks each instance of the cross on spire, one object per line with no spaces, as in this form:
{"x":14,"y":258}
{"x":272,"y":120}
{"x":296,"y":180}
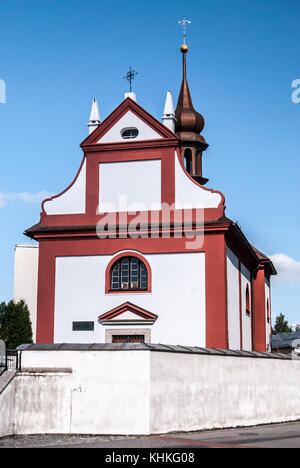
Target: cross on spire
{"x":130,"y":76}
{"x":184,"y":23}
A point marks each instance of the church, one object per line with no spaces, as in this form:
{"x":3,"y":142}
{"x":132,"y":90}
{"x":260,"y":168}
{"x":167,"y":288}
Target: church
{"x":139,"y":249}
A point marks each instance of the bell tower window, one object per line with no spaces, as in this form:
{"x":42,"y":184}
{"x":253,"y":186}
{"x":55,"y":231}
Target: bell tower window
{"x":188,"y":160}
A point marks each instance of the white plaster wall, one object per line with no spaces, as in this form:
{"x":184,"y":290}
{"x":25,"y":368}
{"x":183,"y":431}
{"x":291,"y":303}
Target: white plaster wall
{"x":177,"y":297}
{"x":130,"y":186}
{"x":189,"y":195}
{"x":72,"y":201}
{"x":26,"y":278}
{"x":129,"y":120}
{"x":107,"y":393}
{"x":268,"y":325}
{"x":192,"y":392}
{"x":246,"y":321}
{"x":233,"y":297}
{"x":7,"y":405}
{"x":143,"y":392}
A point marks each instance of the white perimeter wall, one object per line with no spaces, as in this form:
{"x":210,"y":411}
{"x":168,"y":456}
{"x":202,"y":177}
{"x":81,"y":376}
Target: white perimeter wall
{"x":143,"y":392}
{"x":177,"y":297}
{"x":26,"y":277}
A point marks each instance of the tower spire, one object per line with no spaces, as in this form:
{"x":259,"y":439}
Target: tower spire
{"x":189,"y":124}
{"x":94,"y":117}
{"x":169,"y":112}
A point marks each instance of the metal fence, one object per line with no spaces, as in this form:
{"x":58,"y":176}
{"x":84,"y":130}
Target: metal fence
{"x":11,"y":361}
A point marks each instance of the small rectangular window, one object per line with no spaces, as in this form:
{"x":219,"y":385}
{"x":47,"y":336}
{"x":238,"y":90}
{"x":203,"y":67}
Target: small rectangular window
{"x":128,"y":338}
{"x":83,"y":326}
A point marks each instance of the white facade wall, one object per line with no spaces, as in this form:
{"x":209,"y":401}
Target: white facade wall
{"x":268,"y":324}
{"x":189,"y":194}
{"x":177,"y":297}
{"x":145,"y":392}
{"x":130,"y":186}
{"x":26,"y":278}
{"x":72,"y":201}
{"x":246,"y":320}
{"x":233,"y":297}
{"x":238,"y":278}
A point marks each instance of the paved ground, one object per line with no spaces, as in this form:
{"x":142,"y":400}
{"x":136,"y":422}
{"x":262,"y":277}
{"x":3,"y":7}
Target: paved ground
{"x":285,"y":435}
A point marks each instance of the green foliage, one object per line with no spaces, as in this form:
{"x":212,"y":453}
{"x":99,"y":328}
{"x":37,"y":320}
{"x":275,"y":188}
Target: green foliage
{"x":282,"y":325}
{"x":15,"y":325}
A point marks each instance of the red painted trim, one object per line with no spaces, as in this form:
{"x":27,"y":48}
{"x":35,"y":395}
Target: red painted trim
{"x":116,"y":259}
{"x":145,"y":314}
{"x":130,"y":145}
{"x":46,"y":295}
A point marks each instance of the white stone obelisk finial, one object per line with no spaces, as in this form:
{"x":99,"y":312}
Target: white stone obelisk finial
{"x":95,"y":117}
{"x":169,"y":113}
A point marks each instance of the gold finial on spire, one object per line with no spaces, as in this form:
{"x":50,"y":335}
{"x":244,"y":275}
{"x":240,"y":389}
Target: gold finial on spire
{"x":184,"y":48}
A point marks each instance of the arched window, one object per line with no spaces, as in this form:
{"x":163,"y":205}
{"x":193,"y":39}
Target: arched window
{"x":129,"y":274}
{"x":268,"y":311}
{"x":188,"y":160}
{"x":248,"y":309}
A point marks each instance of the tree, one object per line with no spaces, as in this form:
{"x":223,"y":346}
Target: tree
{"x":15,"y":325}
{"x":282,"y":325}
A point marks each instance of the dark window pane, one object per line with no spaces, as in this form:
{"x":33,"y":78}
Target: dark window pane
{"x":130,"y":133}
{"x":129,"y":273}
{"x":128,"y":338}
{"x":83,"y":326}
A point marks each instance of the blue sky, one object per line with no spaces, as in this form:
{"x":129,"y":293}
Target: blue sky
{"x":56,"y":56}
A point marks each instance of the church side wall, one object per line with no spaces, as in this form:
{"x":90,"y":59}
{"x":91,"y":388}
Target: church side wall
{"x":268,"y":306}
{"x":233,"y":288}
{"x":246,"y":319}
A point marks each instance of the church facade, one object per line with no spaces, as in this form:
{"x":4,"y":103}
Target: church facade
{"x":137,"y":249}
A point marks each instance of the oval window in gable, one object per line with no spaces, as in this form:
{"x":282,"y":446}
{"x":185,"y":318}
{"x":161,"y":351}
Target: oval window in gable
{"x":129,"y":133}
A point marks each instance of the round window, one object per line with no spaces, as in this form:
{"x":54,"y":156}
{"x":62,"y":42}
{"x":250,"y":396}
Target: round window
{"x":129,"y":133}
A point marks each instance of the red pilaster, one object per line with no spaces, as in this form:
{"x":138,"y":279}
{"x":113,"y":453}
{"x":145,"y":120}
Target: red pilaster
{"x":216,"y":292}
{"x":259,"y":298}
{"x":46,"y":294}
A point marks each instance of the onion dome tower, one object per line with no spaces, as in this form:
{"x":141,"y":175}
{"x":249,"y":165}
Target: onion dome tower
{"x":189,"y":124}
